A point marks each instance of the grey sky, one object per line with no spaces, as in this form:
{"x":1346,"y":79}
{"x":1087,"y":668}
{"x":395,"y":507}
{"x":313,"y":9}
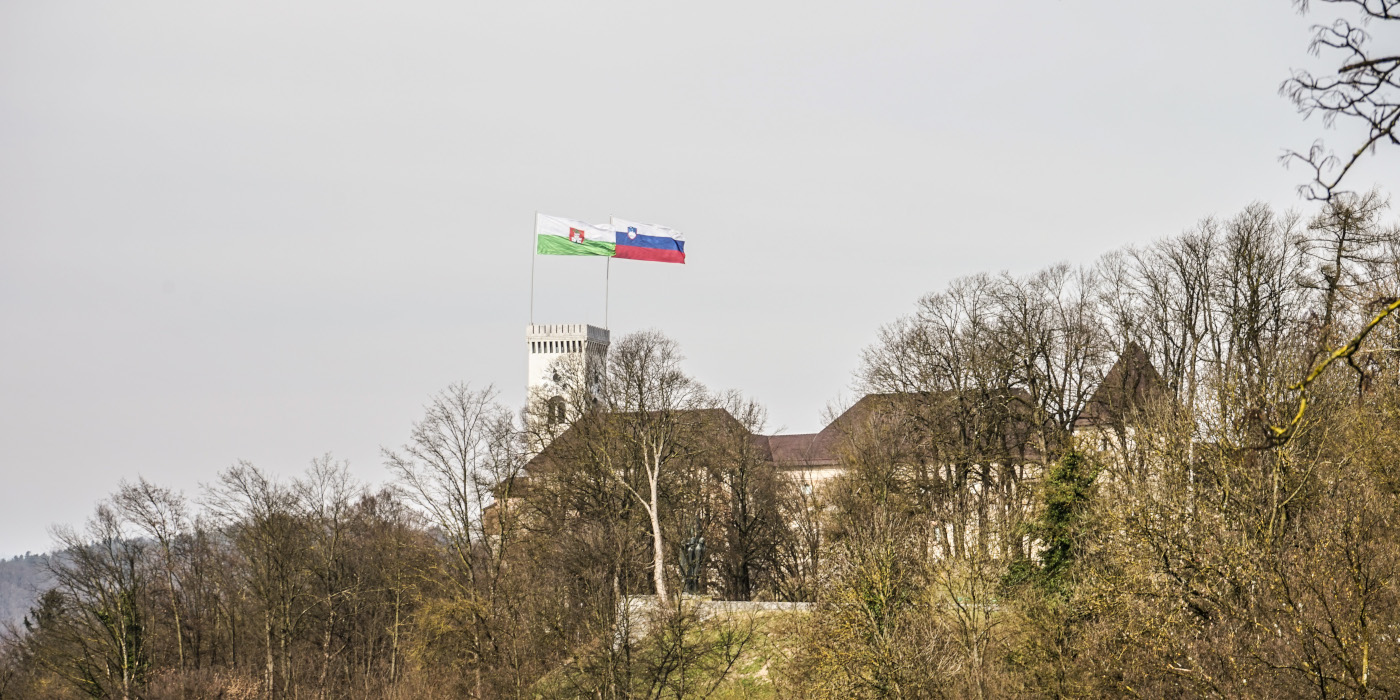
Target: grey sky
{"x":266,"y":231}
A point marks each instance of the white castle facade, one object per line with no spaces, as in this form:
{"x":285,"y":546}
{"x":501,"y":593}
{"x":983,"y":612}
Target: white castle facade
{"x":546,"y":344}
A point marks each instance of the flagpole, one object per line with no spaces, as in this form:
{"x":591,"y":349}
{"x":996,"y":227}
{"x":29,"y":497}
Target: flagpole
{"x":607,"y":288}
{"x":534,"y":253}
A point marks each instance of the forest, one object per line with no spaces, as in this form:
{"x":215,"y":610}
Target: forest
{"x":1003,"y":526}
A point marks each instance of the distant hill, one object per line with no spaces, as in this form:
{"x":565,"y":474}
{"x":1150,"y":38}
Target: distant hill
{"x":22,"y":578}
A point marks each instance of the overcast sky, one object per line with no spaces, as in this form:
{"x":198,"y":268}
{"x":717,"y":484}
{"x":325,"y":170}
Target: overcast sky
{"x":270,"y":230}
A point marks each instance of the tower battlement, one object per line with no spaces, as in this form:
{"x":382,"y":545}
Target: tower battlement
{"x":547,"y":332}
{"x":548,"y":343}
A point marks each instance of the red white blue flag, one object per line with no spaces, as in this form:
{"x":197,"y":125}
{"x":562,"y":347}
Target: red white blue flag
{"x":647,"y":242}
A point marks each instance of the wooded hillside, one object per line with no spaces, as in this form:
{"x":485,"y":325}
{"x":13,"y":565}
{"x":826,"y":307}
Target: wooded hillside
{"x":1073,"y":483}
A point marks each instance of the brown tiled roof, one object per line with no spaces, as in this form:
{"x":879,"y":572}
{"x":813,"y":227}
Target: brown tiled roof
{"x":807,"y":450}
{"x":820,"y":449}
{"x":697,"y":421}
{"x":1131,"y":384}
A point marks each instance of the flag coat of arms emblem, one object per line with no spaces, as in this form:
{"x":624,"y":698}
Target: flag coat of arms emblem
{"x":559,"y":236}
{"x":636,"y":241}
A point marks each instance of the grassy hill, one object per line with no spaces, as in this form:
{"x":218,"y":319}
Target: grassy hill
{"x":739,"y":657}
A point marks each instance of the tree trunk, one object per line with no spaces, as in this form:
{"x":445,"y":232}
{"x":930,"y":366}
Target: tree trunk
{"x":394,"y":649}
{"x":659,"y":564}
{"x":326,"y":648}
{"x":268,"y":670}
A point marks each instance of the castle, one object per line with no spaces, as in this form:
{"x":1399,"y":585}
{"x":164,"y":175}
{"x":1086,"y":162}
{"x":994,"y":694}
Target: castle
{"x":1130,"y":386}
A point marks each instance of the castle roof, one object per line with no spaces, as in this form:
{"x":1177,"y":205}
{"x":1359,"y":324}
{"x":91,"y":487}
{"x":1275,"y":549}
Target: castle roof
{"x":932,"y":408}
{"x":819,"y":449}
{"x":1132,"y":384}
{"x":805,"y":450}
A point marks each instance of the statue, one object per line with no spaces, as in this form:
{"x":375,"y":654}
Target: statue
{"x":692,"y":555}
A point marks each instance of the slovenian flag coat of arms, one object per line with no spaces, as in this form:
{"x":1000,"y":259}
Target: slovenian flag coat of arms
{"x":635,"y":241}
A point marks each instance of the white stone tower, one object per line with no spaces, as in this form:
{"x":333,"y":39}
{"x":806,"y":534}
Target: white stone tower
{"x":548,"y":343}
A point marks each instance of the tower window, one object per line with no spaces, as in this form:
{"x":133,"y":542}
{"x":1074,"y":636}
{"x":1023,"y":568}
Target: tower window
{"x":556,"y":410}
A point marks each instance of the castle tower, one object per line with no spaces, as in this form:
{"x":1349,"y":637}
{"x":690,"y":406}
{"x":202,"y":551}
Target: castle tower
{"x":549,"y":343}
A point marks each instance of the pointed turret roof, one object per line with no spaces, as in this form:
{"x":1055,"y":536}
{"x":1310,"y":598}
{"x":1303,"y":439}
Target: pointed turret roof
{"x":1130,"y":385}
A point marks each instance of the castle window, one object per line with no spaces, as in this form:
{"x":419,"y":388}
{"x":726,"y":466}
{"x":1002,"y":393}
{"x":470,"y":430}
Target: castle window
{"x":556,"y":410}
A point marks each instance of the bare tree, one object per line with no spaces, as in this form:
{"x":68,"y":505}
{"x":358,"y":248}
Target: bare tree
{"x":92,"y":628}
{"x":1349,"y":246}
{"x":160,"y":514}
{"x":1364,"y":89}
{"x":325,"y":496}
{"x":260,"y":515}
{"x":464,"y":456}
{"x":743,"y":489}
{"x":651,"y":409}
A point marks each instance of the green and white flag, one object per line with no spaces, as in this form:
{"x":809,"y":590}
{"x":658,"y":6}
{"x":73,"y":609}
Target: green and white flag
{"x":556,"y":236}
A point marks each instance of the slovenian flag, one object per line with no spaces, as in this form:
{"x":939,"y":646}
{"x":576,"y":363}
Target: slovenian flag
{"x":556,"y":236}
{"x":634,"y":241}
